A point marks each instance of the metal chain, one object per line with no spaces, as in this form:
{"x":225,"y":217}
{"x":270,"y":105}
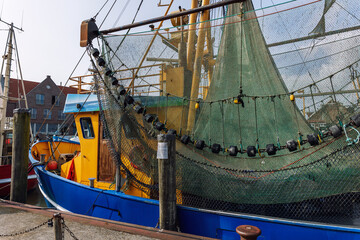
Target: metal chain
{"x":69,"y":231}
{"x":27,"y":230}
{"x":62,"y":228}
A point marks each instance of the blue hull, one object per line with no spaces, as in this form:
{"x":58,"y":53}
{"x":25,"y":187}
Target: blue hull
{"x":67,"y":195}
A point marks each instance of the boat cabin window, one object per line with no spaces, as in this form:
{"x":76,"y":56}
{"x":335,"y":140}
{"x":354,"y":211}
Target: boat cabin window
{"x":87,"y":128}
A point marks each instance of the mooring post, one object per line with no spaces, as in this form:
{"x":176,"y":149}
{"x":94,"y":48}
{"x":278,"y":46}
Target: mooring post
{"x":248,"y":232}
{"x":167,"y":181}
{"x":58,"y":226}
{"x":20,"y":158}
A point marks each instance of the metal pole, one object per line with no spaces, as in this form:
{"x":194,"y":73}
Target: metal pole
{"x":167,"y":181}
{"x":174,"y":15}
{"x":20,"y":162}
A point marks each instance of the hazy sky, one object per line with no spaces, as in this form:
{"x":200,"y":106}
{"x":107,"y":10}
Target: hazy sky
{"x":50,"y":43}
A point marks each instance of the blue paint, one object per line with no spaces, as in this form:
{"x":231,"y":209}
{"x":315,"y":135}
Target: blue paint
{"x":118,"y":206}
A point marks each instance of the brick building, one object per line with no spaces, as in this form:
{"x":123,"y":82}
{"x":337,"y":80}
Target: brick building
{"x":41,"y":97}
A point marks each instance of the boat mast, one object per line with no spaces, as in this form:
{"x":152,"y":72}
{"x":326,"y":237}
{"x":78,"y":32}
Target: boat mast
{"x":8,"y":58}
{"x":197,"y":67}
{"x":6,"y":85}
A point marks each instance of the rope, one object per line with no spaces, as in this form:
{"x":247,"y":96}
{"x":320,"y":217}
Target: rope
{"x":256,"y":122}
{"x":349,"y":140}
{"x":210,"y":128}
{"x":166,"y":109}
{"x":61,"y":92}
{"x":127,"y":32}
{"x":239,"y":122}
{"x":276,"y":124}
{"x":100,"y":9}
{"x":222,"y":122}
{"x":107,"y":14}
{"x":143,"y":33}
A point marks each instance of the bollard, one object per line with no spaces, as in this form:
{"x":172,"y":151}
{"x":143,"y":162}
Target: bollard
{"x":20,"y":158}
{"x":58,"y":226}
{"x":166,"y":154}
{"x":92,"y":182}
{"x":248,"y":232}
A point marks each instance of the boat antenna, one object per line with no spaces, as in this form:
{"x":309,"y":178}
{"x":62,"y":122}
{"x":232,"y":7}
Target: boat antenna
{"x":11,"y":25}
{"x":22,"y":18}
{"x":2,"y":7}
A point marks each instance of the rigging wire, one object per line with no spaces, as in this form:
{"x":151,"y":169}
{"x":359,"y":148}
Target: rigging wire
{"x":318,"y":45}
{"x":303,"y":59}
{"x":61,"y":92}
{"x":220,"y":18}
{"x":121,"y":13}
{"x":127,"y":32}
{"x":347,"y":11}
{"x":112,"y":6}
{"x":101,"y":9}
{"x":315,"y":59}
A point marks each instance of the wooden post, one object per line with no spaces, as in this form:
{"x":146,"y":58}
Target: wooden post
{"x":20,"y":158}
{"x":58,"y":226}
{"x":167,"y":181}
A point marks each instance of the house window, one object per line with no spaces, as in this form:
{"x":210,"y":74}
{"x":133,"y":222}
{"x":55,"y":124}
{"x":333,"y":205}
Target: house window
{"x":47,"y":114}
{"x":40,"y":99}
{"x":55,"y":100}
{"x":61,"y":115}
{"x":87,"y":128}
{"x":33,"y":113}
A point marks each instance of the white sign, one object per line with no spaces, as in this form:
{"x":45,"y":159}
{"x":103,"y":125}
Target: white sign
{"x":162,"y":151}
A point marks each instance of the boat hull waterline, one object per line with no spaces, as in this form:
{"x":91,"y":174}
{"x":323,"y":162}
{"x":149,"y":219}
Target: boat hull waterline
{"x":70,"y":196}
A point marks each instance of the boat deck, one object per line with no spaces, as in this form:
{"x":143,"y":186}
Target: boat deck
{"x":16,"y":218}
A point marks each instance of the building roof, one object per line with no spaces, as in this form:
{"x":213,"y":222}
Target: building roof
{"x":16,"y":90}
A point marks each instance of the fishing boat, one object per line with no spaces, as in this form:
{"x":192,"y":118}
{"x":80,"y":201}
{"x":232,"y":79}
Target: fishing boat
{"x":266,"y":119}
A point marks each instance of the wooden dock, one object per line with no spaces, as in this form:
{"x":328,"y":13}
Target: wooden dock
{"x":16,"y":219}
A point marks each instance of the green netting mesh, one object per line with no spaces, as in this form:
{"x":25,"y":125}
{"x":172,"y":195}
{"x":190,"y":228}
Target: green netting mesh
{"x":252,"y":67}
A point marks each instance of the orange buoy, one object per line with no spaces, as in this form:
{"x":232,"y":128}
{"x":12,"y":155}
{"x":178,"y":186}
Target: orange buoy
{"x":52,"y":165}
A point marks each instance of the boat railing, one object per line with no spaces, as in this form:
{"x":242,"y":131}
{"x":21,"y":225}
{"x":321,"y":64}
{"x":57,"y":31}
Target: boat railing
{"x":5,"y":160}
{"x":8,"y":123}
{"x":151,"y":82}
